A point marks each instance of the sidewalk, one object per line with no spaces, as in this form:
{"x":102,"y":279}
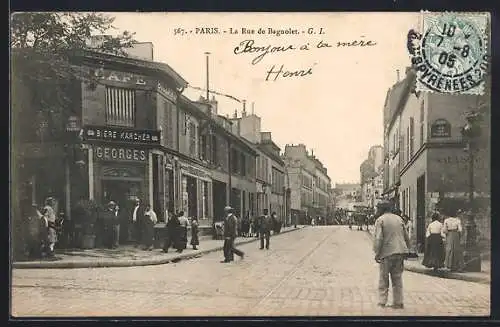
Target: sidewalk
{"x":415,"y":265}
{"x":128,"y":256}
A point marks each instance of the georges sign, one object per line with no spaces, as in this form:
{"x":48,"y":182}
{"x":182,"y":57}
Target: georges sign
{"x":121,"y":135}
{"x":119,"y":154}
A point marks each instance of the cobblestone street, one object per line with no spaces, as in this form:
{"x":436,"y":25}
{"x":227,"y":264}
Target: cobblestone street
{"x":326,"y":271}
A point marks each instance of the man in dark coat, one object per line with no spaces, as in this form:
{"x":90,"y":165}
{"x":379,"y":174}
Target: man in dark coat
{"x":230,"y":233}
{"x":172,"y":234}
{"x":266,"y":224}
{"x":109,"y":220}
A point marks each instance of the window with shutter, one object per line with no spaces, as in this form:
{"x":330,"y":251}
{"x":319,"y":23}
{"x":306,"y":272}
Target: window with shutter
{"x":214,"y":158}
{"x":192,"y":139}
{"x":120,"y":106}
{"x":243,"y":165}
{"x":412,"y":138}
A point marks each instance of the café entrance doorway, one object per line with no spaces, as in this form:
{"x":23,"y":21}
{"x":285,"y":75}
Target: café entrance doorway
{"x":123,"y":193}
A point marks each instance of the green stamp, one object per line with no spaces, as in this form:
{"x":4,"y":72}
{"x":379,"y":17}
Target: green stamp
{"x":452,"y":55}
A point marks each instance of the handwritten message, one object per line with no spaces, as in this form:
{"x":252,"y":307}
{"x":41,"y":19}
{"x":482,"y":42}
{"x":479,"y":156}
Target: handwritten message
{"x":258,"y":52}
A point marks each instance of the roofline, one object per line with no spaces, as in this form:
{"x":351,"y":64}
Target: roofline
{"x":271,"y":155}
{"x":146,"y":64}
{"x":409,"y":80}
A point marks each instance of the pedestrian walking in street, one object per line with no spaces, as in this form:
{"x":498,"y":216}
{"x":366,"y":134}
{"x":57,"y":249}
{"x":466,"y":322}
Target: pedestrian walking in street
{"x":276,"y":223}
{"x":172,"y":234}
{"x":230,"y":233}
{"x":183,"y":228}
{"x":194,"y":233}
{"x":434,"y":246}
{"x":391,"y":244}
{"x":266,"y":224}
{"x":150,"y":220}
{"x":50,"y":216}
{"x":137,"y":222}
{"x":256,"y":226}
{"x":245,"y":225}
{"x":452,"y":230}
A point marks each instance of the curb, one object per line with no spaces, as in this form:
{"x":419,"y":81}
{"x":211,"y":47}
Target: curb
{"x":444,"y":274}
{"x":448,"y":275}
{"x":123,"y":263}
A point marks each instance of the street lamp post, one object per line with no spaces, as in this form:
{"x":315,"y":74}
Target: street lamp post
{"x":470,"y":132}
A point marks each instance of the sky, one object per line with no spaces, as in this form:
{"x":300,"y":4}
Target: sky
{"x":335,"y":109}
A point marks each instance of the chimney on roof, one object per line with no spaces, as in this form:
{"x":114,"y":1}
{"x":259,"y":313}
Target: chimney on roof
{"x":397,"y":74}
{"x":253,"y":108}
{"x":235,"y":115}
{"x":244,"y":112}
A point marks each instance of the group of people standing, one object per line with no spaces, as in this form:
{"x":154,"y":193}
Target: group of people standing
{"x":263,"y":225}
{"x":176,"y":232}
{"x":250,"y":227}
{"x":142,"y":228}
{"x":443,"y":248}
{"x":141,"y":221}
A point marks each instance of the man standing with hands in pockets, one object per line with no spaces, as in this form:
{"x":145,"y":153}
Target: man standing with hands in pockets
{"x":391,"y":244}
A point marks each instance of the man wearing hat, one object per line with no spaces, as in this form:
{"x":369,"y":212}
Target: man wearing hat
{"x":391,"y":244}
{"x":230,"y":232}
{"x":109,"y":220}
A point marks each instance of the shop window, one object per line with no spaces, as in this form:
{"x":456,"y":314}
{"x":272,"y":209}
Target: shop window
{"x":120,"y":106}
{"x":169,"y":190}
{"x":204,"y":195}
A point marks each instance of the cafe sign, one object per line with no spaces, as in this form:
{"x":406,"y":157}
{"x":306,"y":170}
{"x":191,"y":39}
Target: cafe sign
{"x":120,"y":77}
{"x":110,"y":153}
{"x":122,"y":135}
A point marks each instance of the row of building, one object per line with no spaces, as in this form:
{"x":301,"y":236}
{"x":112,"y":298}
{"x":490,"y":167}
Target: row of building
{"x":372,"y":177}
{"x":134,"y":134}
{"x":424,"y":162}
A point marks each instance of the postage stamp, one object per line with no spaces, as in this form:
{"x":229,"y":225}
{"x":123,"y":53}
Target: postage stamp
{"x":451,"y":54}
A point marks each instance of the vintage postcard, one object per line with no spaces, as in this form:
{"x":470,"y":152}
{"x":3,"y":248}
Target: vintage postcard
{"x":250,"y":164}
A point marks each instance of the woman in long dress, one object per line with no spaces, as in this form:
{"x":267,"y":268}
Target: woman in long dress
{"x":183,"y":226}
{"x":50,"y":216}
{"x":434,"y":247}
{"x":452,"y":229}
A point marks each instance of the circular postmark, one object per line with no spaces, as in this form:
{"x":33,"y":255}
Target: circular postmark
{"x":452,"y":55}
